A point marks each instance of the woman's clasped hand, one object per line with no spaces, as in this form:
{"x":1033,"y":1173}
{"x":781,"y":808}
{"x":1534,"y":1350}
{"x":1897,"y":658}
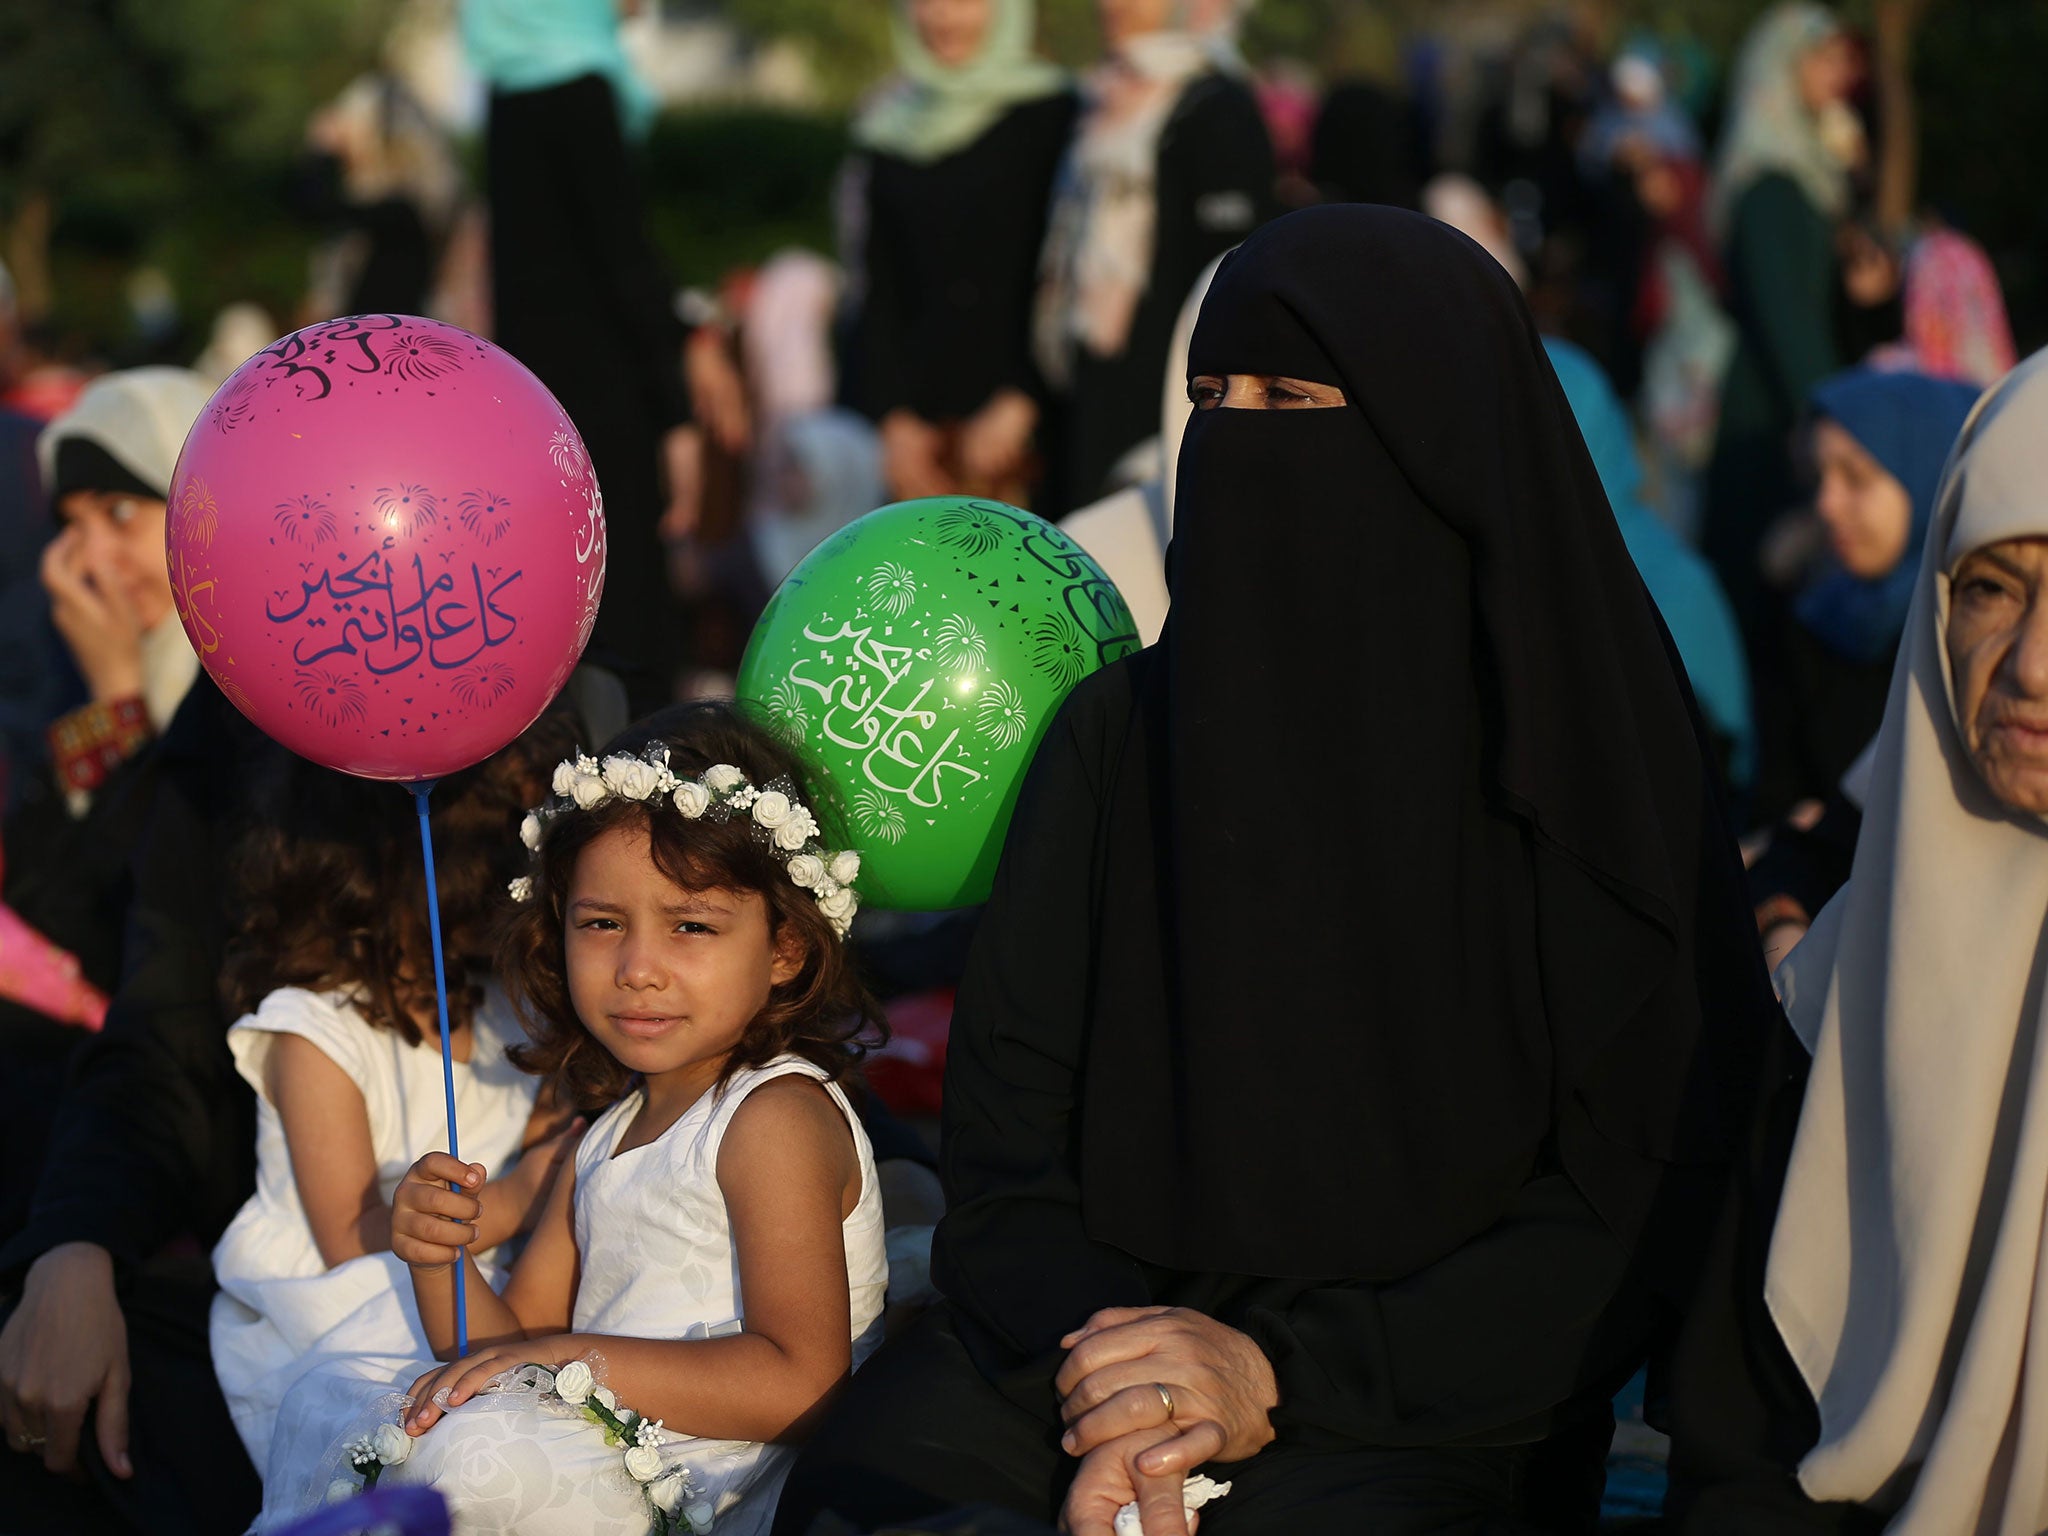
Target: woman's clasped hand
{"x":1150,"y":1394}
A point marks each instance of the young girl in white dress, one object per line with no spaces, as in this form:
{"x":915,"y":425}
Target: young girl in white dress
{"x":339,"y":1037}
{"x":711,"y":1264}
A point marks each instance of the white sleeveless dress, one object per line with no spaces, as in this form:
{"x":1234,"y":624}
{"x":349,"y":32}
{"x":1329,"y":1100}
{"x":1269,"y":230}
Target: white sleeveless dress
{"x":281,"y":1310}
{"x":657,"y":1257}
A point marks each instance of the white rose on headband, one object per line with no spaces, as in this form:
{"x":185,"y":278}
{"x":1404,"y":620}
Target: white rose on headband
{"x":806,"y":871}
{"x":565,"y":776}
{"x":391,"y":1444}
{"x":839,"y":904}
{"x":846,"y":866}
{"x":643,"y":1463}
{"x":692,"y":798}
{"x":632,"y":779}
{"x":530,"y":831}
{"x":720,"y":777}
{"x":588,"y":790}
{"x":795,"y":832}
{"x":772,"y":808}
{"x":573,"y":1382}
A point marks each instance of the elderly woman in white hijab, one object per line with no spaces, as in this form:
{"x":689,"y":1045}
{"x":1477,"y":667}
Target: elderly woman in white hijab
{"x":1874,"y":1352}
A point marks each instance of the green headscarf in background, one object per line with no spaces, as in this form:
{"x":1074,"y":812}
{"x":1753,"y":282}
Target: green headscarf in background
{"x":931,"y":110}
{"x":530,"y":45}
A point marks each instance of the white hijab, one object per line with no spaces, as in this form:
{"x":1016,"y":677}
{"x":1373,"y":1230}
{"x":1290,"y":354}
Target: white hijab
{"x":1908,"y":1270}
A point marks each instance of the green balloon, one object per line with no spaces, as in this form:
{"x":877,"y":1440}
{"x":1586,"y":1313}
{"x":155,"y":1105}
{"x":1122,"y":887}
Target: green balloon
{"x":916,"y":658}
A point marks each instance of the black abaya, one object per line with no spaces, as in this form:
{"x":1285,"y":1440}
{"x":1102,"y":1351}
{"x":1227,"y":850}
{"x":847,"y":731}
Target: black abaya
{"x":580,"y":298}
{"x":951,"y":266}
{"x":1368,"y":968}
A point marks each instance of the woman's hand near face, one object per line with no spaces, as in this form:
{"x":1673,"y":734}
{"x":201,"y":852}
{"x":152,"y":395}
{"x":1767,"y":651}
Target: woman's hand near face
{"x":1221,"y":1383}
{"x":92,"y":610}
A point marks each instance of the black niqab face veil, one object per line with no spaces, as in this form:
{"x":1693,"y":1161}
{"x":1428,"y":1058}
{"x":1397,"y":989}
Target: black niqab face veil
{"x":1415,"y":884}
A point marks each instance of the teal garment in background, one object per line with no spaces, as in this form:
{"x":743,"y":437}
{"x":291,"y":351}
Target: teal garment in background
{"x":529,"y":45}
{"x":1695,"y":609}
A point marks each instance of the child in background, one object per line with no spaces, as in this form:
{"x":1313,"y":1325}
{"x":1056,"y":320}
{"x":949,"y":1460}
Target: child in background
{"x":710,"y":1265}
{"x":332,"y":972}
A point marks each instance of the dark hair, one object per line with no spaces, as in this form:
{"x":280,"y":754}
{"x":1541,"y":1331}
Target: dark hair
{"x":329,"y":891}
{"x":823,"y":1014}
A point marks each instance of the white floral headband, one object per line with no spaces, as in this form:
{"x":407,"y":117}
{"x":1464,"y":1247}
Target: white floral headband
{"x":721,"y":794}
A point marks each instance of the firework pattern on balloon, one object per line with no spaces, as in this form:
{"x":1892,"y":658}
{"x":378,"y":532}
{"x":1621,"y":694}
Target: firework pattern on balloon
{"x":958,"y":644}
{"x":1057,"y":650}
{"x":878,"y":816}
{"x":305,"y":520}
{"x":567,"y":453}
{"x":485,"y":514}
{"x":419,"y":356}
{"x":198,"y":517}
{"x":407,"y":508}
{"x":787,"y":716}
{"x":235,"y":405}
{"x":892,"y":589}
{"x":969,"y":527}
{"x":335,"y":697}
{"x":1000,"y":714}
{"x":484,"y":684}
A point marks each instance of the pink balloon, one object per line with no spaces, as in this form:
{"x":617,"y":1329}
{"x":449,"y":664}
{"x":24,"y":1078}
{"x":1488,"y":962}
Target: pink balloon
{"x":387,"y":545}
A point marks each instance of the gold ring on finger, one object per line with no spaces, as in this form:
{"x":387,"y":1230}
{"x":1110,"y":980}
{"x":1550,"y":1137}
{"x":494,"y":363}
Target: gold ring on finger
{"x":1165,"y":1398}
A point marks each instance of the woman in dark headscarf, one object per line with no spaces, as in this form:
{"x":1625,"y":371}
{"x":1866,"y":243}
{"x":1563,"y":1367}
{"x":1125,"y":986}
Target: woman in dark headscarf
{"x":1878,"y":441}
{"x":1343,"y":1075}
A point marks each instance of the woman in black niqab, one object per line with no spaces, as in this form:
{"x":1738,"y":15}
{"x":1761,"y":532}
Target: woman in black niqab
{"x":1368,"y":978}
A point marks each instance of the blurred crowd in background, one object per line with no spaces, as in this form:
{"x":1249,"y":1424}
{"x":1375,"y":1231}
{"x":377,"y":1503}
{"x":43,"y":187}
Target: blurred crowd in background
{"x":782,"y":264}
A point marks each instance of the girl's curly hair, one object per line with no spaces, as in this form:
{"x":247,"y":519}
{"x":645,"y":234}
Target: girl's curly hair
{"x":824,"y":1014}
{"x":330,"y":891}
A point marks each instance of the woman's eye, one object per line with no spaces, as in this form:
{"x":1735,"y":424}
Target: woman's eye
{"x":1280,"y":395}
{"x":599,"y":924}
{"x":1204,"y":395}
{"x":705,"y":928}
{"x":1982,"y":589}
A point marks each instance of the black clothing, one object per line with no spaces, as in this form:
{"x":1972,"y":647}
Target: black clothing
{"x":83,"y":465}
{"x":191,"y":1478}
{"x":1548,"y":952}
{"x":1400,"y":1014}
{"x":1214,"y":184}
{"x":1363,"y":149}
{"x":154,"y":1144}
{"x":70,"y":878}
{"x":950,"y":267}
{"x":919,"y":1432}
{"x":1741,"y":1415}
{"x":1816,"y":710}
{"x":156,"y":1135}
{"x":580,"y":298}
{"x":1810,"y":864}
